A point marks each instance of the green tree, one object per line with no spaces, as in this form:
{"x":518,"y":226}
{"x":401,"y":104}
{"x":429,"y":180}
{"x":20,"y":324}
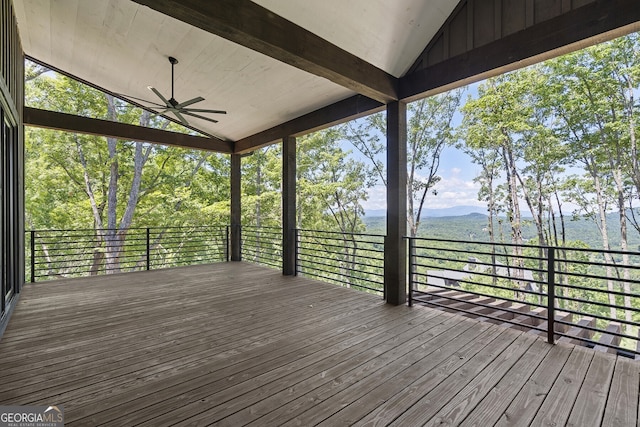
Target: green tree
{"x":593,"y":98}
{"x":429,"y":131}
{"x":106,"y":184}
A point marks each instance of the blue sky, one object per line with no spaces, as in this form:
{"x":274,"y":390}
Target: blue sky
{"x":456,"y":170}
{"x":455,"y":189}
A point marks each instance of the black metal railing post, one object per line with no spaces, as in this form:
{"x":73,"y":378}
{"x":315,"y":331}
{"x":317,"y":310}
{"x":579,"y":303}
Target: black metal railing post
{"x":227,"y":240}
{"x":412,"y":272}
{"x":33,"y":256}
{"x":551,"y":294}
{"x":148,"y":249}
{"x":296,"y":250}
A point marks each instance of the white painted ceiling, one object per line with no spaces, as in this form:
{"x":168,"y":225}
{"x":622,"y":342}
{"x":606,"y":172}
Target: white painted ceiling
{"x":123,"y":47}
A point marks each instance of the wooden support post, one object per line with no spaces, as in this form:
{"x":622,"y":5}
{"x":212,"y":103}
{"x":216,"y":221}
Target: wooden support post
{"x":289,"y":206}
{"x":236,"y":209}
{"x":395,"y":251}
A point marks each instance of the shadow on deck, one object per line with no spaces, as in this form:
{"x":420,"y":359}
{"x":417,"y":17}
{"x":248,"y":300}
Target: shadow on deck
{"x":236,"y":344}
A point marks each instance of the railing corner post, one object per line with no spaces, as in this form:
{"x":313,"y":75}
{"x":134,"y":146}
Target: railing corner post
{"x":551,"y":294}
{"x":227,"y":240}
{"x":296,"y":250}
{"x":148,"y":250}
{"x":33,"y":255}
{"x":412,"y":254}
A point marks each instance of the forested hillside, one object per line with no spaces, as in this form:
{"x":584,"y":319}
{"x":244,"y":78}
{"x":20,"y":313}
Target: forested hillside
{"x":473,"y":227}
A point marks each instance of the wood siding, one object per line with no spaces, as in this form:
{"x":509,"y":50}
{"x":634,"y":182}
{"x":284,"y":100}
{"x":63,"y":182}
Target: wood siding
{"x":11,"y":62}
{"x":11,"y":162}
{"x":476,"y":23}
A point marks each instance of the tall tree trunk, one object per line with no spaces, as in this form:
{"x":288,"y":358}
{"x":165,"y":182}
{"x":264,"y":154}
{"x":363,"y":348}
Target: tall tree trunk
{"x":605,"y":241}
{"x":115,"y":234}
{"x":515,"y":219}
{"x":98,"y":256}
{"x":492,"y":237}
{"x":624,"y":246}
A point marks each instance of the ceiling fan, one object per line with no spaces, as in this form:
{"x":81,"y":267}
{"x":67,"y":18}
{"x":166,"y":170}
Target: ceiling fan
{"x":179,"y":109}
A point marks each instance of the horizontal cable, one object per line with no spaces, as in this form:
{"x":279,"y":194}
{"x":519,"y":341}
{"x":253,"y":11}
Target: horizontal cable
{"x":311,"y":273}
{"x":312,"y":258}
{"x":601,"y":304}
{"x":601,"y":291}
{"x":310,"y":268}
{"x":471,"y":282}
{"x":487,"y":316}
{"x":316,"y":262}
{"x":598,"y":316}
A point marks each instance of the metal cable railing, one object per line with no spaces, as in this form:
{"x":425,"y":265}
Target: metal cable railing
{"x":56,"y":254}
{"x":584,"y":296}
{"x":262,"y":245}
{"x":354,"y":260}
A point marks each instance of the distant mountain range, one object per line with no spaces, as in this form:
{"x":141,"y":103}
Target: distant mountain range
{"x":470,"y":223}
{"x":437,"y":213}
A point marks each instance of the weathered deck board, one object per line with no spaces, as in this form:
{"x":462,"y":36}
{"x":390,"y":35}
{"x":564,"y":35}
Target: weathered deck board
{"x":492,"y":403}
{"x":622,"y":405}
{"x":236,"y":344}
{"x":560,"y":400}
{"x":524,"y":406}
{"x":589,"y":407}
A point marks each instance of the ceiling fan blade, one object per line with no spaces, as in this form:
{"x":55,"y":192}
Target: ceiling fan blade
{"x":189,"y":102}
{"x":203,"y":110}
{"x":181,"y":118}
{"x":159,"y":95}
{"x":158,"y":113}
{"x":199,"y":116}
{"x":128,"y":97}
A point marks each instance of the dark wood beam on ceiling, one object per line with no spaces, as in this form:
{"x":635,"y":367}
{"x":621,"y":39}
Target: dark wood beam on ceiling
{"x":588,"y":25}
{"x":255,"y":27}
{"x":72,"y":123}
{"x":342,"y":111}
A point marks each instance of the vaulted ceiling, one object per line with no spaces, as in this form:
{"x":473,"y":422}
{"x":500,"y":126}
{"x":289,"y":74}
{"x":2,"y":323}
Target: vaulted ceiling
{"x":284,"y":66}
{"x":123,"y":46}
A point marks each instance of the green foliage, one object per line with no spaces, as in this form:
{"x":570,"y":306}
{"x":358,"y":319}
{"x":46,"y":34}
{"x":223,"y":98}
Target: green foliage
{"x":429,"y":131}
{"x":111,"y":186}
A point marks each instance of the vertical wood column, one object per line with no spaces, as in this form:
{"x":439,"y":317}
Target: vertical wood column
{"x":236,"y":208}
{"x":289,"y":206}
{"x":395,"y":250}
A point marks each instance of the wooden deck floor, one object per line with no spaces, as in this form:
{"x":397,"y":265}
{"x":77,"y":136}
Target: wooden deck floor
{"x":236,"y":344}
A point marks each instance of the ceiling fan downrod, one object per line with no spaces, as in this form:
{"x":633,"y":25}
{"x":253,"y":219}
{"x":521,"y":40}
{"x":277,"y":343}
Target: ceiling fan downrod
{"x":173,"y":62}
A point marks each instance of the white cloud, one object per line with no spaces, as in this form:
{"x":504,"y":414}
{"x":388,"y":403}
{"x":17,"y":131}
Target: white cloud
{"x":454,"y":192}
{"x":456,"y":171}
{"x":451,"y":192}
{"x":377,"y":198}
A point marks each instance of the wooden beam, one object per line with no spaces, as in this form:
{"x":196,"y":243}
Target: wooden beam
{"x":71,"y":123}
{"x":341,"y":111}
{"x":588,"y":25}
{"x":255,"y":27}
